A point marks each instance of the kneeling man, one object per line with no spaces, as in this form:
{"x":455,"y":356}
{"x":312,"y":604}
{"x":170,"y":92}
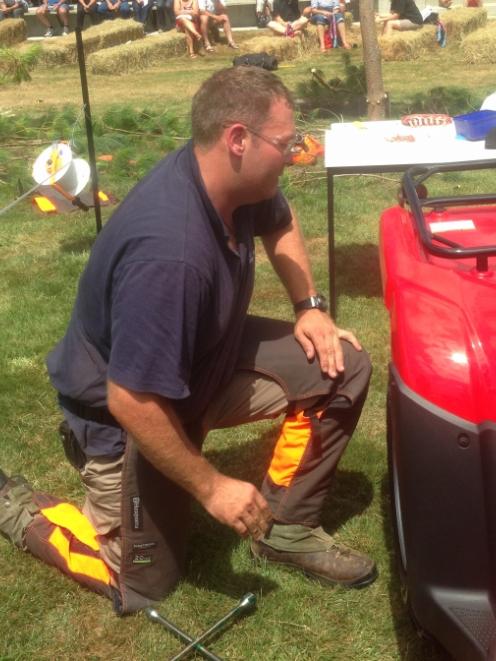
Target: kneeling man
{"x":160,"y":349}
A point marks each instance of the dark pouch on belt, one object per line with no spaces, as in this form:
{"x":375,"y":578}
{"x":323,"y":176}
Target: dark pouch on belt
{"x":72,"y":449}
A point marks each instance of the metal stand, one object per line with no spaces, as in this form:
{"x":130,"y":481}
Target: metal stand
{"x":89,"y":129}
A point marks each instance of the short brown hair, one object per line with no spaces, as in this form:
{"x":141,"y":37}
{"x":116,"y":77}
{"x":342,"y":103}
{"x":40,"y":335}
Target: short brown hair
{"x":240,"y":94}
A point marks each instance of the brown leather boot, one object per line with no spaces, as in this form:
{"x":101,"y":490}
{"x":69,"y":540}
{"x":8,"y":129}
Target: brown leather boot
{"x":315,"y":553}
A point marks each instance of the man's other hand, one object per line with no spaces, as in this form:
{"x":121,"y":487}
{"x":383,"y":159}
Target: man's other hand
{"x":239,"y":505}
{"x":319,"y":336}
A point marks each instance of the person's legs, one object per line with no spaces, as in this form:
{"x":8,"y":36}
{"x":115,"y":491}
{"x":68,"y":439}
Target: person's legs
{"x":63,"y":14}
{"x":103,"y":10}
{"x":400,"y":24}
{"x":300,"y":24}
{"x":54,"y":531}
{"x":322,"y":25}
{"x":190,"y":31}
{"x":226,"y":25}
{"x":41,"y":15}
{"x":160,"y":15}
{"x":125,"y":9}
{"x":204,"y":25}
{"x":137,"y":11}
{"x":321,"y":415}
{"x":140,"y":12}
{"x":102,"y":480}
{"x":278,"y":28}
{"x":190,"y":45}
{"x":342,"y":33}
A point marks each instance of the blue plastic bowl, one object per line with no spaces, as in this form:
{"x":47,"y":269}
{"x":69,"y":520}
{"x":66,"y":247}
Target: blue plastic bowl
{"x":475,"y":125}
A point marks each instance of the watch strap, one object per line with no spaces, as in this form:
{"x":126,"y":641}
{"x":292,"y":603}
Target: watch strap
{"x":317,"y":302}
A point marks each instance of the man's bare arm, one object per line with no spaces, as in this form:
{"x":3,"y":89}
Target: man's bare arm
{"x":151,"y":421}
{"x":314,"y":330}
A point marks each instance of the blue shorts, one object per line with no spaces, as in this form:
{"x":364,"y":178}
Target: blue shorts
{"x":54,"y":10}
{"x":320,"y":19}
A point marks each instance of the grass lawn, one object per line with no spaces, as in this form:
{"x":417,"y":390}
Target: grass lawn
{"x":44,"y":615}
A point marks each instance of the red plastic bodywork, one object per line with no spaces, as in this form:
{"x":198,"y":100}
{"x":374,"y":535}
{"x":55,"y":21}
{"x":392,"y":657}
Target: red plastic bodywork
{"x":443,"y":312}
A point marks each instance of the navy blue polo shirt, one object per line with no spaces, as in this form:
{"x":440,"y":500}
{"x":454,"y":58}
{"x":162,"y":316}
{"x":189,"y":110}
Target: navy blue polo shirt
{"x":162,"y":302}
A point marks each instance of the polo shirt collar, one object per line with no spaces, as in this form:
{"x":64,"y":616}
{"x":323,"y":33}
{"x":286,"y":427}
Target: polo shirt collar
{"x":194,"y":170}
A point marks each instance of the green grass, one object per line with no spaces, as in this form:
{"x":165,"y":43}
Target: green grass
{"x":44,"y":615}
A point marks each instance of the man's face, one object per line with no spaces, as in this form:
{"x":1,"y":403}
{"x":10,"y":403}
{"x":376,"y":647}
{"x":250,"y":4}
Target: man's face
{"x":267,"y":151}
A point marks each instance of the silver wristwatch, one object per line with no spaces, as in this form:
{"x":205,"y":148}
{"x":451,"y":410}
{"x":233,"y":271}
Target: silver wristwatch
{"x":312,"y":302}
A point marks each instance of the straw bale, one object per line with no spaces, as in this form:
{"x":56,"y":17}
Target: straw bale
{"x":408,"y":45}
{"x":462,"y":20}
{"x":457,"y":22}
{"x":119,"y":31}
{"x":138,"y":55}
{"x":479,"y":47}
{"x":282,"y":47}
{"x":12,"y":31}
{"x":106,"y":35}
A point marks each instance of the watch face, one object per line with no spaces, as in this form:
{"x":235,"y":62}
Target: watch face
{"x":321,"y":303}
{"x":317,"y":302}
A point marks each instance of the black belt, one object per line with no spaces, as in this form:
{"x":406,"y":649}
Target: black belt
{"x":98,"y":414}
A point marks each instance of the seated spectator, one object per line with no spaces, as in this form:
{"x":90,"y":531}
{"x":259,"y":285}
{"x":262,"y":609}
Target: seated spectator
{"x":112,"y":8}
{"x":188,"y":21}
{"x":263,"y":10}
{"x":57,"y":7}
{"x":12,"y":9}
{"x":141,"y":9}
{"x":328,"y":15}
{"x":165,"y":15}
{"x":404,"y":15}
{"x":213,"y":13}
{"x":86,"y":8}
{"x":286,"y":18}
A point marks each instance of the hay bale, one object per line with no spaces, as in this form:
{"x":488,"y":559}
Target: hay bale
{"x":462,"y":21}
{"x":282,"y":47}
{"x":408,"y":45}
{"x":479,"y":47}
{"x":119,"y":31}
{"x":12,"y":31}
{"x":106,"y":35}
{"x":138,"y":55}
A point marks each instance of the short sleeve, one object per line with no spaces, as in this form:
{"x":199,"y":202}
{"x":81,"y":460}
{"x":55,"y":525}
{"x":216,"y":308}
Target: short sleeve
{"x":155,"y":313}
{"x":272,"y":215}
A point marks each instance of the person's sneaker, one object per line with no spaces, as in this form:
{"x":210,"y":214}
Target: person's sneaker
{"x":316,"y":553}
{"x":48,"y":33}
{"x":65,"y":31}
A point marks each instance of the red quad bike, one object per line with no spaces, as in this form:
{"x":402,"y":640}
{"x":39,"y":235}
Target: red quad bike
{"x":438,"y":264}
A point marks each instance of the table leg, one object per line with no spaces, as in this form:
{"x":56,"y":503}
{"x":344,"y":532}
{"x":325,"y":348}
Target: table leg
{"x":331,"y":250}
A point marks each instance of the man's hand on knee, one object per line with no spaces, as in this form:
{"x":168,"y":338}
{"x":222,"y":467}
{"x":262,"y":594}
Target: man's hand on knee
{"x":319,"y":336}
{"x":238,"y":505}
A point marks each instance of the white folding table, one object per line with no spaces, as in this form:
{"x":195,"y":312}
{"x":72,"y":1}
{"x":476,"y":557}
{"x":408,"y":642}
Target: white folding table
{"x":389,"y":146}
